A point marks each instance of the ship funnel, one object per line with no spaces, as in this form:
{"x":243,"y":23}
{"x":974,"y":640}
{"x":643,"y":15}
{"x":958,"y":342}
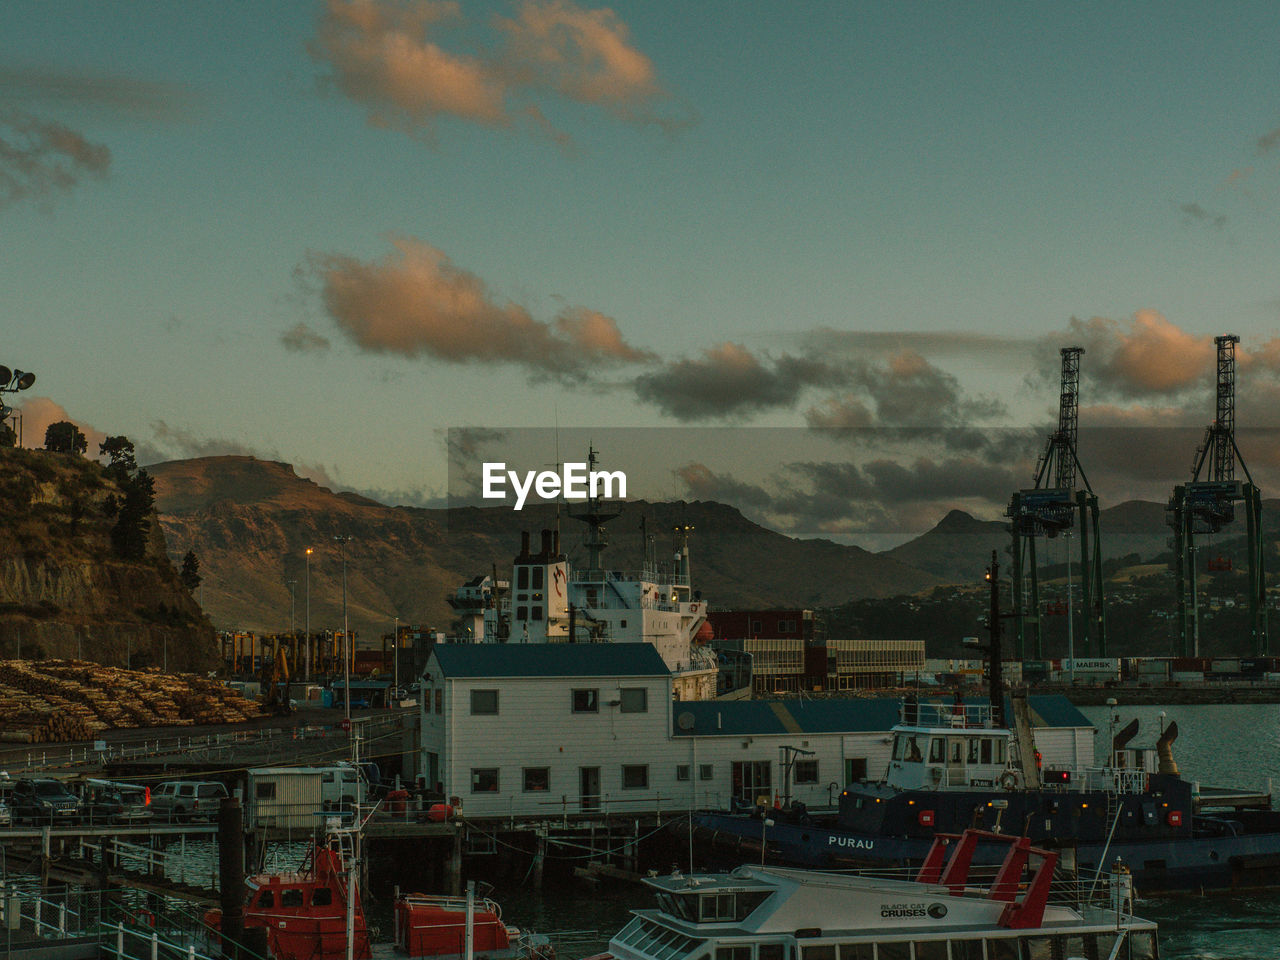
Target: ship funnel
{"x":1121,"y":739}
{"x":546,"y":543}
{"x":1164,"y":749}
{"x":524,"y":543}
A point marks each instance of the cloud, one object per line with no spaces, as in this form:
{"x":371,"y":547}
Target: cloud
{"x":415,"y":302}
{"x":728,"y":382}
{"x":1194,"y":213}
{"x":40,"y":157}
{"x":389,"y":56}
{"x":1267,"y":142}
{"x":122,"y":95}
{"x":39,"y":412}
{"x":880,"y":496}
{"x":1147,"y":356}
{"x":300,"y":338}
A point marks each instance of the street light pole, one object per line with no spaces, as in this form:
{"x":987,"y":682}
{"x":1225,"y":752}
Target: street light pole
{"x":347,"y":645}
{"x":293,"y":606}
{"x":395,"y":640}
{"x":308,"y":643}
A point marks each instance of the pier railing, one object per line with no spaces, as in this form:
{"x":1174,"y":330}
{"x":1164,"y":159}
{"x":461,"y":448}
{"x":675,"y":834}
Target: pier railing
{"x":29,"y":918}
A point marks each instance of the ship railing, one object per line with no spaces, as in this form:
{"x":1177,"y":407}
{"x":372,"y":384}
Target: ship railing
{"x":647,"y":575}
{"x":967,"y":716}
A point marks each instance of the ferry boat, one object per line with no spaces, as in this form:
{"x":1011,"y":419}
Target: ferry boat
{"x":957,"y":765}
{"x":946,"y":912}
{"x":306,"y":915}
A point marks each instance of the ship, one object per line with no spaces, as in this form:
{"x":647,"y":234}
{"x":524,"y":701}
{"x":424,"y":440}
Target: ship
{"x":949,"y":908}
{"x":315,"y":913}
{"x":550,"y":600}
{"x":959,"y":764}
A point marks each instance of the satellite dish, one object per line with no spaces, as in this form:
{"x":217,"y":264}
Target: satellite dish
{"x":5,"y":375}
{"x":685,"y":721}
{"x":26,"y":380}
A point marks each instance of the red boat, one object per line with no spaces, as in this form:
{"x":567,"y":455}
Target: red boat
{"x":304,"y":913}
{"x":305,"y":916}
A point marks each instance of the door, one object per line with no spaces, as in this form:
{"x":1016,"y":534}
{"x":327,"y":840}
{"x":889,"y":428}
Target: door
{"x":589,"y":788}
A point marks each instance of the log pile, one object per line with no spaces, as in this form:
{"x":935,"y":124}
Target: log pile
{"x":54,"y":701}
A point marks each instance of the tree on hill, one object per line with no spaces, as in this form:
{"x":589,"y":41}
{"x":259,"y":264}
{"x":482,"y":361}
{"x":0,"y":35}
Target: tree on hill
{"x":190,"y":573}
{"x":133,"y":522}
{"x":120,"y":454}
{"x":64,"y":437}
{"x":7,"y":437}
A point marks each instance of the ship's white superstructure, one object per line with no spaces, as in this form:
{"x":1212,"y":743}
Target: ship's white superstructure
{"x":549,"y":601}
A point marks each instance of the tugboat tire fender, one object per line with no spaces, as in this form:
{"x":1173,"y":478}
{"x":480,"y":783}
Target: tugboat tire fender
{"x":1008,"y":781}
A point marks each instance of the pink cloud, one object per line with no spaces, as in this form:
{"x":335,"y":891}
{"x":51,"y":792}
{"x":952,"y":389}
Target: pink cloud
{"x":416,"y":302}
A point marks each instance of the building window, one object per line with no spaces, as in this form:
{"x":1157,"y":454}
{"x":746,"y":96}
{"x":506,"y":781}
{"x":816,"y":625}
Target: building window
{"x":634,"y":700}
{"x":522,"y":613}
{"x":586,"y":701}
{"x":806,"y":771}
{"x":265,"y":790}
{"x":484,"y":779}
{"x":682,"y":771}
{"x":484,"y":703}
{"x":535,"y":613}
{"x":537,"y":779}
{"x":439,"y":700}
{"x":622,"y":624}
{"x":537,"y":578}
{"x":635,"y":776}
{"x":786,"y":626}
{"x":754,"y":627}
{"x":522,"y":578}
{"x":705,"y":771}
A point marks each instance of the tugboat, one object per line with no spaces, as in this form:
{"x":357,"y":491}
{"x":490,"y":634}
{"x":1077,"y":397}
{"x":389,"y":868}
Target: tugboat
{"x":306,"y":916}
{"x":959,"y":765}
{"x":1016,"y":912}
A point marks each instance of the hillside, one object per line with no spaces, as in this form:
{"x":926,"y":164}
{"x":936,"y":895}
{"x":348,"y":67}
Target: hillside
{"x":65,"y":593}
{"x":250,"y":522}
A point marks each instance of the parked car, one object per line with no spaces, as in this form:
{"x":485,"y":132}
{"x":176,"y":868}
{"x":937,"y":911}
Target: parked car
{"x":110,"y":801}
{"x":187,"y":799}
{"x":44,"y":801}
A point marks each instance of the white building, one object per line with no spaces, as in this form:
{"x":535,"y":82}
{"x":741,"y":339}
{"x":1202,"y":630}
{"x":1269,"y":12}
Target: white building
{"x":549,"y":730}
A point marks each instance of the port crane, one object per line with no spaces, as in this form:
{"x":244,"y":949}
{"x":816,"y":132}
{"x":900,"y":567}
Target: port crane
{"x":1052,"y":506}
{"x":1205,"y":506}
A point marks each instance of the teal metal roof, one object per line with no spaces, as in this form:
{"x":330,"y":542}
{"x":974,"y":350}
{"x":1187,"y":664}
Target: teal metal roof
{"x":851,"y":715}
{"x":478,"y":660}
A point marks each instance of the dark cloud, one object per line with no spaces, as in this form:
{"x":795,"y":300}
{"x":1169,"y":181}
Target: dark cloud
{"x":881,"y":496}
{"x":729,"y":382}
{"x":40,"y":157}
{"x":416,"y":302}
{"x":121,"y":95}
{"x":300,"y":338}
{"x":1194,"y":213}
{"x":1267,"y":142}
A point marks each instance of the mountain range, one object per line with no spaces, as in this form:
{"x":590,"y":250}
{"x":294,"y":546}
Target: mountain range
{"x":251,"y":521}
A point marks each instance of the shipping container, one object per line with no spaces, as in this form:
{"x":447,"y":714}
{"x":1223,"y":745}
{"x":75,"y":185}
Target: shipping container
{"x":1225,"y":665}
{"x":1191,"y":663}
{"x":1187,"y":676}
{"x":1153,"y":668}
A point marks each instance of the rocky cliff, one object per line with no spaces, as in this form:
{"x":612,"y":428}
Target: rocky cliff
{"x":63,"y":591}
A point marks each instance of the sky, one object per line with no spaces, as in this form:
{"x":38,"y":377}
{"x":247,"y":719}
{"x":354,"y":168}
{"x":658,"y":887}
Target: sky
{"x":816,"y":259}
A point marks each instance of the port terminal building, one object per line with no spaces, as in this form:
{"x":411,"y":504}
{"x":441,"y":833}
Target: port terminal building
{"x":572,"y":731}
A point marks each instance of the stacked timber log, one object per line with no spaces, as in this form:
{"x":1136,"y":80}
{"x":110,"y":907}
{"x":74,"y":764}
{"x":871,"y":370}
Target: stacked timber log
{"x":54,"y":701}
